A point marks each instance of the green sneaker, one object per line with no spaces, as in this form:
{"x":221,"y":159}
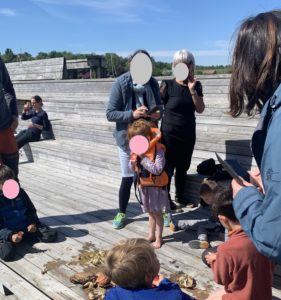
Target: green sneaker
{"x":119,"y":221}
{"x":166,"y":220}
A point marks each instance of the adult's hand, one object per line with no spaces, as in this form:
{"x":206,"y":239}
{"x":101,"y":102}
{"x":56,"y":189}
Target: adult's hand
{"x":191,"y":83}
{"x":236,"y":187}
{"x":255,"y":179}
{"x":140,"y":112}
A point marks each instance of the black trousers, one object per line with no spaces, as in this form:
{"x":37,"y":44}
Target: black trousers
{"x":43,"y":234}
{"x":27,"y":136}
{"x":7,"y":250}
{"x":178,"y":158}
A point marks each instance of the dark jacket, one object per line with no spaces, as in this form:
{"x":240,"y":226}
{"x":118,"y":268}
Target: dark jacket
{"x":119,"y":107}
{"x":260,"y":215}
{"x":16,"y":214}
{"x":8,"y":103}
{"x":39,"y":118}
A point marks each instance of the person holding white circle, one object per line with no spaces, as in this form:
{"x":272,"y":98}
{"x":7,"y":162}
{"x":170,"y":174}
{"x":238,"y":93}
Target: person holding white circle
{"x":182,"y":97}
{"x":132,"y":95}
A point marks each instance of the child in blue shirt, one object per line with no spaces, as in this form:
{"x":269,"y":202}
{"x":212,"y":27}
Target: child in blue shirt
{"x":132,"y":265}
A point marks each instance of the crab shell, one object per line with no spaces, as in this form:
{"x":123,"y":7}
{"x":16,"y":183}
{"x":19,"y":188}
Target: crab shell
{"x":186,"y":281}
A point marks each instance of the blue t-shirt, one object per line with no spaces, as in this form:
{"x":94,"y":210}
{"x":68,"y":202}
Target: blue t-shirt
{"x":165,"y":291}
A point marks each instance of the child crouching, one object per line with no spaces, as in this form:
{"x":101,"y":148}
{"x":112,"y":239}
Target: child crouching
{"x":245,"y":273}
{"x":18,"y":219}
{"x":132,"y":265}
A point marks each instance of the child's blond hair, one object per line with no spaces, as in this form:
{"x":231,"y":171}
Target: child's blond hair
{"x":130,"y":263}
{"x":139,"y":127}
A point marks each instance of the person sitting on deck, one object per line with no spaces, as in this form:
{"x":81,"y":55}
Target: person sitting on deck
{"x":245,"y":273}
{"x":39,"y":122}
{"x":206,"y":228}
{"x":133,"y":266}
{"x":19,"y":220}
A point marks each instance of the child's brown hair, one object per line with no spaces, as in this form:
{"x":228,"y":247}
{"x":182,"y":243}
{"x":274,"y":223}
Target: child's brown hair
{"x":129,"y":263}
{"x":223,"y":203}
{"x":6,"y":173}
{"x":139,"y":127}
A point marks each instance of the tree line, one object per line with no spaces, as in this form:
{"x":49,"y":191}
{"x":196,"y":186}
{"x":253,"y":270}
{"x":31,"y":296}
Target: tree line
{"x":115,"y":64}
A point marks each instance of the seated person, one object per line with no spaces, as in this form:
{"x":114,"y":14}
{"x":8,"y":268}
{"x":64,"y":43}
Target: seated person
{"x":245,"y":273}
{"x":18,"y":219}
{"x":205,"y":228}
{"x":132,"y":265}
{"x":39,"y":122}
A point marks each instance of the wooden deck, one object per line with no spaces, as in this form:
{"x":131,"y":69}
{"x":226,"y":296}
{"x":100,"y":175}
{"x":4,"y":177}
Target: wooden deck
{"x":74,"y":182}
{"x":82,"y":210}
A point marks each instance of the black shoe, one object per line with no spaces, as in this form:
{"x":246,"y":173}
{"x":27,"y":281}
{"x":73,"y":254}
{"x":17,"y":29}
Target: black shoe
{"x":184,"y":203}
{"x":174,"y":207}
{"x":46,"y":234}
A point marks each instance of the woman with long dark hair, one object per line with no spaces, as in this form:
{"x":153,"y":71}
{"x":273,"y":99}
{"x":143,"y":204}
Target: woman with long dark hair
{"x":255,"y":86}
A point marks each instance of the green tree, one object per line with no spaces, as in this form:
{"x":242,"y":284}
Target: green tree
{"x":9,"y":56}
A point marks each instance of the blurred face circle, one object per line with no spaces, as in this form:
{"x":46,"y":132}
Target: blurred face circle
{"x":181,"y":71}
{"x":141,"y":68}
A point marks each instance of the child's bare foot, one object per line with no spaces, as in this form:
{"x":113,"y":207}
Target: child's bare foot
{"x":151,"y":238}
{"x":157,"y":244}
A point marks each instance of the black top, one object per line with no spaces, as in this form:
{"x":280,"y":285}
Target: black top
{"x":179,"y":108}
{"x":39,"y":118}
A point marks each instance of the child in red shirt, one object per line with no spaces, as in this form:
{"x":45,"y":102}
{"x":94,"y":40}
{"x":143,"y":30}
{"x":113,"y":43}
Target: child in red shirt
{"x":245,"y":273}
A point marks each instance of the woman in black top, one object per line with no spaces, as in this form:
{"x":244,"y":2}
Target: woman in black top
{"x":181,"y":98}
{"x":39,"y":122}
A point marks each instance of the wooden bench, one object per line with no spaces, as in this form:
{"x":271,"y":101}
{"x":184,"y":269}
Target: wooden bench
{"x":51,"y":68}
{"x":74,"y":183}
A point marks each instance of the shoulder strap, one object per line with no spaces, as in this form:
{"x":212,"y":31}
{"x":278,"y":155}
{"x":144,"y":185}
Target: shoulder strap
{"x":271,"y":109}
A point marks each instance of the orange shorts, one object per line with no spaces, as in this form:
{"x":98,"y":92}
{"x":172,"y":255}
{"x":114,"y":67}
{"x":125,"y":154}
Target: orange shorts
{"x":8,"y":144}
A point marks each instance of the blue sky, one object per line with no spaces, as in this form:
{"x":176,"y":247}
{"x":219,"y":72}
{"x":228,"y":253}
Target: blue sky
{"x":204,"y":27}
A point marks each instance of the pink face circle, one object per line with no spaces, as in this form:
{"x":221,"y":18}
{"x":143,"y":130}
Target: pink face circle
{"x":139,"y":144}
{"x":10,"y":189}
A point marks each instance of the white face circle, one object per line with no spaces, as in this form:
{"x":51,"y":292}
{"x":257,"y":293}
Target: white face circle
{"x":181,"y":71}
{"x":141,"y":68}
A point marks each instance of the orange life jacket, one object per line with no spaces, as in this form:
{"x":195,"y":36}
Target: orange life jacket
{"x":154,"y":145}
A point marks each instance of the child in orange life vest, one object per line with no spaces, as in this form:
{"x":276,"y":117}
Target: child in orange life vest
{"x":152,"y":179}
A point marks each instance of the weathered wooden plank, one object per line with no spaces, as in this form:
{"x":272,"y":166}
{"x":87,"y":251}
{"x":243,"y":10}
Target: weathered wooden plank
{"x":52,"y":68}
{"x":18,"y":285}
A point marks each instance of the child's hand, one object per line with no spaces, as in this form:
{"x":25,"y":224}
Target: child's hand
{"x":17,"y":237}
{"x":157,"y":279}
{"x":210,"y":257}
{"x":31,"y":228}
